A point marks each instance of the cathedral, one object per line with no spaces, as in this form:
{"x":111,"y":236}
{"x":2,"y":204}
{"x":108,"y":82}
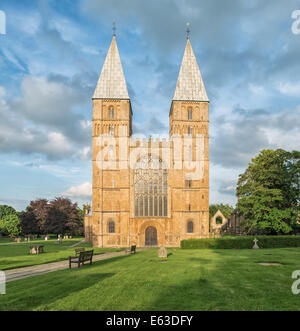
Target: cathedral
{"x":149,"y":192}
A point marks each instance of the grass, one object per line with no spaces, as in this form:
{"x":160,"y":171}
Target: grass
{"x":189,"y":280}
{"x":17,"y":255}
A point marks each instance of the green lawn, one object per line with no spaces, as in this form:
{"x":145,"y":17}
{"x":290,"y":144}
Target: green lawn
{"x":17,"y":255}
{"x":5,"y":240}
{"x":189,"y":280}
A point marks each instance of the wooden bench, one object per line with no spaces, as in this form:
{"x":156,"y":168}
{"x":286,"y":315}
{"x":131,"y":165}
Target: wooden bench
{"x":79,"y":250}
{"x":131,"y":250}
{"x":81,"y":258}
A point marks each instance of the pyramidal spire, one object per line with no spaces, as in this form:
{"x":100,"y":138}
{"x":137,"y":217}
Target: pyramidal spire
{"x":112,"y":83}
{"x":190,"y":86}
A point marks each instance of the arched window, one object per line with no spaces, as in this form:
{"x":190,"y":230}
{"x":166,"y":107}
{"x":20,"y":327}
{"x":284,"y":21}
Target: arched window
{"x":188,"y":183}
{"x":219,"y":220}
{"x":111,"y":130}
{"x":190,"y":114}
{"x":190,"y":131}
{"x":111,"y":113}
{"x":190,"y":227}
{"x":111,"y":227}
{"x":151,"y":188}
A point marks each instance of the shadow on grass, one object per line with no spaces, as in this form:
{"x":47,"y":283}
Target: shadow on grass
{"x":39,"y":292}
{"x":235,"y":282}
{"x":49,"y":290}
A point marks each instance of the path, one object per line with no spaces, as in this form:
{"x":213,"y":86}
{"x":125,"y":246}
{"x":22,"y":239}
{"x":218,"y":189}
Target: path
{"x":77,"y":244}
{"x":20,"y":273}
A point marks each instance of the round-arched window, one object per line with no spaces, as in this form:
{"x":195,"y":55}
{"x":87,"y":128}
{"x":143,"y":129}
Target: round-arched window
{"x":111,"y":113}
{"x":190,"y":227}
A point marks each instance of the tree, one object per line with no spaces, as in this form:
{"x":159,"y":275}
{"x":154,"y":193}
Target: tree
{"x":269,"y":192}
{"x":63,"y":217}
{"x":6,"y":210}
{"x":11,"y":225}
{"x":39,"y":208}
{"x":226,"y":210}
{"x":29,"y":222}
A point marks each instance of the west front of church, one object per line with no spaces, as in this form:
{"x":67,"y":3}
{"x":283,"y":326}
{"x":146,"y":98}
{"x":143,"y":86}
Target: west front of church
{"x":149,"y":192}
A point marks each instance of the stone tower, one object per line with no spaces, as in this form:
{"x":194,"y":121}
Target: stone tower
{"x":112,"y":118}
{"x":189,"y":119}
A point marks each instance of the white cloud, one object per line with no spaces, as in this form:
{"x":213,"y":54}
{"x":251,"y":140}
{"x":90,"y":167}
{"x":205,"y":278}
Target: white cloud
{"x":288,"y":88}
{"x":42,"y":120}
{"x":256,"y":89}
{"x":83,"y":191}
{"x":86,"y":154}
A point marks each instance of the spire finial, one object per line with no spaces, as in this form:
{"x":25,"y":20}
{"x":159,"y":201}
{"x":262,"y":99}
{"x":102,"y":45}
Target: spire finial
{"x":114,"y":28}
{"x":188,"y":30}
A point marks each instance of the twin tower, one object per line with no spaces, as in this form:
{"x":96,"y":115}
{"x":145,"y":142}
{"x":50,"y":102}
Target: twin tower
{"x":149,"y":192}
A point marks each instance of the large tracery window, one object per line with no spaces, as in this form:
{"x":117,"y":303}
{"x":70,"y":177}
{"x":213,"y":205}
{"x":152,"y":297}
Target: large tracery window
{"x":151,"y":188}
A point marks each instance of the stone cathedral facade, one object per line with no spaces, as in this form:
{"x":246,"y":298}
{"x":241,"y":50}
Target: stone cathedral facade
{"x":149,"y":192}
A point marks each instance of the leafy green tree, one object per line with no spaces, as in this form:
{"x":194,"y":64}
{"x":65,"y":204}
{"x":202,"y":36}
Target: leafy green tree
{"x":224,"y":208}
{"x":269,"y":192}
{"x":3,"y":228}
{"x":6,"y":210}
{"x":11,"y":225}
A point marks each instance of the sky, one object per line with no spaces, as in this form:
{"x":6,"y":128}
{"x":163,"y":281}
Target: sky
{"x":52,"y":54}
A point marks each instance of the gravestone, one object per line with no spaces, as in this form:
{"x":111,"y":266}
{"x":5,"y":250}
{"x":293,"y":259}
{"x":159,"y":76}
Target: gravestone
{"x":162,"y":252}
{"x":255,"y":244}
{"x":36,"y":250}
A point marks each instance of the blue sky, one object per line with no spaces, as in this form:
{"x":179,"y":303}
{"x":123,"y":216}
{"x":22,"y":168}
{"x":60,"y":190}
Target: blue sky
{"x":52,"y":55}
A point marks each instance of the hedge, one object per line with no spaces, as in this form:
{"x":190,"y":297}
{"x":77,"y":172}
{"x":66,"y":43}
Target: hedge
{"x":242,"y":242}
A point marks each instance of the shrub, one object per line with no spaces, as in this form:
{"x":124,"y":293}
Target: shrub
{"x":240,"y":242}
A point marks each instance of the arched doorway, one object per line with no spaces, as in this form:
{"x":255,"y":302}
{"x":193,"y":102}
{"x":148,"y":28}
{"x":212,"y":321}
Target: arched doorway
{"x":151,"y":236}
